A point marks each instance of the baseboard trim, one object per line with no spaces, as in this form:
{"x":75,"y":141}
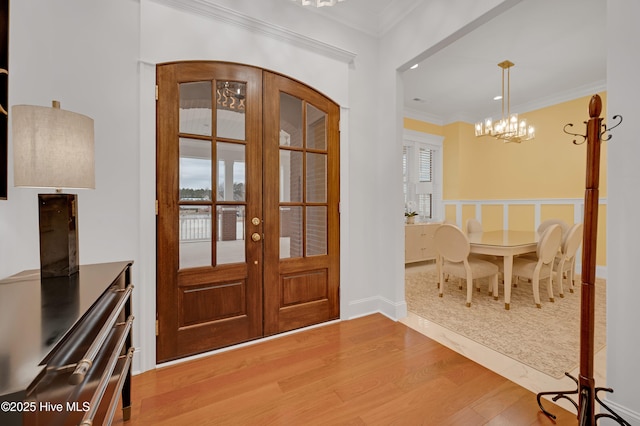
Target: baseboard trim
{"x":627,"y":414}
{"x":377,"y":304}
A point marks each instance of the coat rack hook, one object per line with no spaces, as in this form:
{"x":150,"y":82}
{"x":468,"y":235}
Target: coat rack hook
{"x":605,"y":130}
{"x":584,"y":137}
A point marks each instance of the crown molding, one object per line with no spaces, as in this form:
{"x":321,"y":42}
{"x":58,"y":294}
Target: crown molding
{"x":565,"y":96}
{"x":224,"y":14}
{"x":422,"y":116}
{"x":459,"y":116}
{"x":370,"y":22}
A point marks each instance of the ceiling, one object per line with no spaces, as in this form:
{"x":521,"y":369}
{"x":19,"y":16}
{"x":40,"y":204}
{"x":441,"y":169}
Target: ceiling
{"x":558,"y":48}
{"x":373,"y":17}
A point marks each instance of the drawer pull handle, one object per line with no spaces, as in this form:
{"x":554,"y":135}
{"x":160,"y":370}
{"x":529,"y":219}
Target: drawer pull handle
{"x":87,"y":420}
{"x":84,"y":365}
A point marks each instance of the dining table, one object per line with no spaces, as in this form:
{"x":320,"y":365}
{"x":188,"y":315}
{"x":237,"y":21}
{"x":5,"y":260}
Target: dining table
{"x":506,"y":244}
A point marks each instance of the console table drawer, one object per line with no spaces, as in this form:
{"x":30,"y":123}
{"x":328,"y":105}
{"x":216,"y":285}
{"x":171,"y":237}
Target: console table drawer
{"x":70,"y":366}
{"x":419,"y":242}
{"x":78,"y":401}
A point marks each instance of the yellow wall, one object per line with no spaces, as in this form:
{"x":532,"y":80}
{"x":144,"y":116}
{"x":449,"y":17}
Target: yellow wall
{"x":547,"y":167}
{"x":522,"y":217}
{"x":422,"y":126}
{"x":451,"y":155}
{"x":557,"y":211}
{"x":492,"y":217}
{"x":468,"y":212}
{"x":450,"y":213}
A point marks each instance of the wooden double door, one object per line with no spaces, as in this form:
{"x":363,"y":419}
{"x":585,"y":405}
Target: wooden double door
{"x":247,"y":206}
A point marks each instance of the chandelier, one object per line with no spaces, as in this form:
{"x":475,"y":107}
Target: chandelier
{"x":318,"y":3}
{"x":509,"y":128}
{"x":230,"y":96}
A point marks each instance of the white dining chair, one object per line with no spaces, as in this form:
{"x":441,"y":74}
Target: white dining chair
{"x":473,"y":226}
{"x":541,"y":267}
{"x":453,"y":250}
{"x":565,"y":262}
{"x":547,"y":223}
{"x":542,"y":227}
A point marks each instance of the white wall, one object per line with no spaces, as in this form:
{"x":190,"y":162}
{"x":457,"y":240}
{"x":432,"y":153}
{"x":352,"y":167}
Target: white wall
{"x":623,"y":228}
{"x":84,"y":54}
{"x":70,"y":51}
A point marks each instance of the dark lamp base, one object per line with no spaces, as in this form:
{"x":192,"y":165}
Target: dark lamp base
{"x":58,"y":235}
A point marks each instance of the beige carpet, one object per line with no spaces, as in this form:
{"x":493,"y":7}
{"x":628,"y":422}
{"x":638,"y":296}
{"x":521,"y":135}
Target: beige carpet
{"x":546,"y":339}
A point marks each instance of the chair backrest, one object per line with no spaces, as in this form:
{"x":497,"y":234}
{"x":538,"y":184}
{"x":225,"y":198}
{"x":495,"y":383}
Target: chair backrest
{"x":549,"y":243}
{"x":547,"y":223}
{"x":572,"y":241}
{"x":473,"y":225}
{"x":451,"y":243}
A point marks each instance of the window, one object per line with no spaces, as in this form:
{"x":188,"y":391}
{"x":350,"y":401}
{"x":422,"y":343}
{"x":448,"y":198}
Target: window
{"x":422,"y":174}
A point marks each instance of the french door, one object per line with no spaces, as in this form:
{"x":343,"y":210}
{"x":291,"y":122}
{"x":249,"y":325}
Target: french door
{"x":248,"y":194}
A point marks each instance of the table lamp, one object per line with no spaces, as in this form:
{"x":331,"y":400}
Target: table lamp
{"x":54,"y":148}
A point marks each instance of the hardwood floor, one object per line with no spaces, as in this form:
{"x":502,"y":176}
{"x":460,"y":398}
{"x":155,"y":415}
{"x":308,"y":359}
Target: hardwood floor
{"x":366,"y":371}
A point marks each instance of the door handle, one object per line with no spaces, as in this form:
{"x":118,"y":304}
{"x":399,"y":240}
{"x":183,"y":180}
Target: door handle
{"x":256,"y":237}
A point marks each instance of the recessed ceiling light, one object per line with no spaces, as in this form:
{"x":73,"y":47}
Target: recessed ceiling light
{"x":419,"y":100}
{"x":413,"y":67}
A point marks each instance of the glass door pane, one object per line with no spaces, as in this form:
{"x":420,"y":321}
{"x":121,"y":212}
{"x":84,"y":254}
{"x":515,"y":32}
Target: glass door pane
{"x":290,"y":232}
{"x":316,"y":231}
{"x":290,"y":176}
{"x":195,"y":108}
{"x":290,"y":120}
{"x":195,"y":222}
{"x":230,"y":109}
{"x":316,"y":177}
{"x":231,"y":172}
{"x":316,"y":128}
{"x":231,"y":234}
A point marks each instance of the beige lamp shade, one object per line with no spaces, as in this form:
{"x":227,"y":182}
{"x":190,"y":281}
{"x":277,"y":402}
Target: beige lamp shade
{"x":52,"y":148}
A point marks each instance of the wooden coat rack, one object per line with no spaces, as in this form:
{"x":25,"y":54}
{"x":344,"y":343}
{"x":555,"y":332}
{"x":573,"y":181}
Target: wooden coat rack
{"x":585,"y":384}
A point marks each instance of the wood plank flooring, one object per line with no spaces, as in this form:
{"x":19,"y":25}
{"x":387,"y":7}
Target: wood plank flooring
{"x":366,"y":371}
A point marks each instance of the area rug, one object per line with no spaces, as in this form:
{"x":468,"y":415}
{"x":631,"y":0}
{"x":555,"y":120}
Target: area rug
{"x":547,"y":339}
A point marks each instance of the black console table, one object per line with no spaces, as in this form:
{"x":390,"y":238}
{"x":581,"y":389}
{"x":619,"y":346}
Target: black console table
{"x":66,"y":346}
